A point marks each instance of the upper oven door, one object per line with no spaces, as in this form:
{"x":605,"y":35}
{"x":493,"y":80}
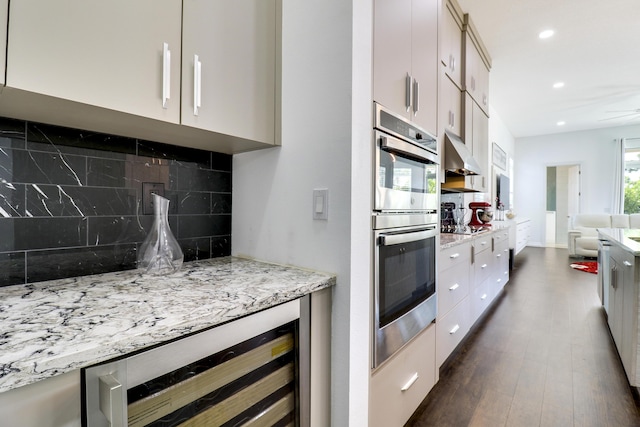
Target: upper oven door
{"x":406,"y":176}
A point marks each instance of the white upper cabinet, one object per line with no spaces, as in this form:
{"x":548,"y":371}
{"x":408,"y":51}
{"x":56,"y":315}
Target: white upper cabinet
{"x":405,"y":59}
{"x":477,"y":66}
{"x":451,"y":41}
{"x":476,"y":137}
{"x":229,"y":67}
{"x":119,"y":55}
{"x":4,"y":15}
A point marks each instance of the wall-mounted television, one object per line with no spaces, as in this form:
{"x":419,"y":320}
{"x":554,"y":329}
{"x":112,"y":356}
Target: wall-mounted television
{"x":502,"y":190}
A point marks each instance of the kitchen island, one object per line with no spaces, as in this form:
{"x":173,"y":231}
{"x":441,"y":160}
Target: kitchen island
{"x":52,"y":329}
{"x":619,"y":278}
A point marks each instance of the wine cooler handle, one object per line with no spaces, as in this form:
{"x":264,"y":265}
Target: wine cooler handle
{"x":112,"y":401}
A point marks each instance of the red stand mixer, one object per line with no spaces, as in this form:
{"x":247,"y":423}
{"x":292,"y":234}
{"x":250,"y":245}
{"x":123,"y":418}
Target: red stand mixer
{"x":481,"y":215}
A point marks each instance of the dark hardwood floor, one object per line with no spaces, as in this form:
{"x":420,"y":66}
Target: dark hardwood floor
{"x":542,"y":356}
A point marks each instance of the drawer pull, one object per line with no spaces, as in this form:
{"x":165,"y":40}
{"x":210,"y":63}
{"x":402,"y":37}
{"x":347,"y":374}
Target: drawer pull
{"x":628,"y":264}
{"x":483,"y":243}
{"x":484,"y":266}
{"x":483,"y":297}
{"x":454,"y":256}
{"x":498,"y":256}
{"x":454,"y":287}
{"x":409,"y":383}
{"x":454,"y":330}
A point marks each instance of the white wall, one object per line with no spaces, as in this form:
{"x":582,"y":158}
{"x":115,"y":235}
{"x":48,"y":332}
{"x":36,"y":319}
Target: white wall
{"x":326,"y":143}
{"x":592,"y":150}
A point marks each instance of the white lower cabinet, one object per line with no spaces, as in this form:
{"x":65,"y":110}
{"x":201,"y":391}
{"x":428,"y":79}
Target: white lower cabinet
{"x":402,"y":382}
{"x":481,"y":297}
{"x":450,"y":329}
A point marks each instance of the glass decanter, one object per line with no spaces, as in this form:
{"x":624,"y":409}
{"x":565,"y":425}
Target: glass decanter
{"x":160,"y":253}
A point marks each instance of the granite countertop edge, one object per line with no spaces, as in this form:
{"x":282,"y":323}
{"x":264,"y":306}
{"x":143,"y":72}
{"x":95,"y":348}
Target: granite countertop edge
{"x":623,"y":237}
{"x":449,"y":240}
{"x":54,"y":327}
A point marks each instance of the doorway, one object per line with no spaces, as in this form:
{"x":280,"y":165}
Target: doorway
{"x":563,"y":201}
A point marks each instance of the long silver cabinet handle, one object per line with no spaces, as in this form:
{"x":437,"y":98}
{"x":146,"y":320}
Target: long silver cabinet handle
{"x":409,"y":383}
{"x":111,"y":400}
{"x":454,"y":330}
{"x":166,"y":74}
{"x":454,"y":287}
{"x":416,"y":97}
{"x":627,"y":264}
{"x":454,"y":256}
{"x":408,"y":95}
{"x":197,"y":84}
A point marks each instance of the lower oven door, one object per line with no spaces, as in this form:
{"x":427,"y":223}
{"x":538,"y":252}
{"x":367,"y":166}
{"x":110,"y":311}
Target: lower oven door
{"x":405,"y":287}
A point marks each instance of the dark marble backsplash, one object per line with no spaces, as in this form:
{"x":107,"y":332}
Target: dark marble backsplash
{"x":71,"y":200}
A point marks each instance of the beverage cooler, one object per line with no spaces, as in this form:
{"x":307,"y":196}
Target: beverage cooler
{"x":225,"y":376}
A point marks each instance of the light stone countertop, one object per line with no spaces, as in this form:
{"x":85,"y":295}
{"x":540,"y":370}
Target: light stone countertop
{"x":49,"y":328}
{"x":448,"y":240}
{"x":623,"y":237}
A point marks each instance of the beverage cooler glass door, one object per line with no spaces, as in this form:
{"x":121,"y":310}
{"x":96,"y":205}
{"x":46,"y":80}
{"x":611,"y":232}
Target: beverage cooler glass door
{"x":406,"y":178}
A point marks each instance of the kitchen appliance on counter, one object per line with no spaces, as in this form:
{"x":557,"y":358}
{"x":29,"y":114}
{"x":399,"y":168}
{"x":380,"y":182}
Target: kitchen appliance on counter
{"x":405,"y":231}
{"x":481,"y":214}
{"x":447,"y":217}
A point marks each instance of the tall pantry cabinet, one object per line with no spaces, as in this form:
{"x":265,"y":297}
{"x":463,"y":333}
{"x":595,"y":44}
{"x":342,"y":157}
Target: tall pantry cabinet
{"x":405,"y":50}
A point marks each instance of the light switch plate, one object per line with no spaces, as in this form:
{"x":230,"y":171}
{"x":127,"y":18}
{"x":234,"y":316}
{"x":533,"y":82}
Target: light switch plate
{"x":148,"y":188}
{"x":321,"y":203}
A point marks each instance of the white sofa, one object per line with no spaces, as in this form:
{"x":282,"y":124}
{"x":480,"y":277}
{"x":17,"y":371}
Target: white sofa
{"x":583,"y":231}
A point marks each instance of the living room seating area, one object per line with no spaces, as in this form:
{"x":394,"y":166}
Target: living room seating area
{"x":583,"y":231}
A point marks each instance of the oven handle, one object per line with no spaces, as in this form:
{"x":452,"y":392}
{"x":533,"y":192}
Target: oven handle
{"x":399,"y":146}
{"x":414,"y":236}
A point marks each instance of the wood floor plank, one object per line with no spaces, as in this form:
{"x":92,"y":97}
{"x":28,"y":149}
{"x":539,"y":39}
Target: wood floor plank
{"x":542,"y":357}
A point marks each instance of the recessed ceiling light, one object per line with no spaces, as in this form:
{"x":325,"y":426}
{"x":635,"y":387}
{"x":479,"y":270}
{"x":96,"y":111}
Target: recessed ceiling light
{"x":558,"y":85}
{"x":546,"y":34}
{"x":561,"y":123}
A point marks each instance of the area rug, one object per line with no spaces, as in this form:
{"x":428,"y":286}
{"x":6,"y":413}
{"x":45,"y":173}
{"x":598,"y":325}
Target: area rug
{"x":588,"y":266}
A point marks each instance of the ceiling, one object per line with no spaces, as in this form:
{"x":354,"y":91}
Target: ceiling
{"x":595,"y":51}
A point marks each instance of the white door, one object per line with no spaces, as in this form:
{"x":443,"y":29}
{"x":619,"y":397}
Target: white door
{"x":563,"y":201}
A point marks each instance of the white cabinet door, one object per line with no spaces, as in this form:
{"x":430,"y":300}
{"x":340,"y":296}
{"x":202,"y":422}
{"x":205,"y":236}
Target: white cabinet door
{"x":109,"y":54}
{"x":398,"y":386}
{"x":476,"y":74}
{"x":392,"y":54}
{"x":451,"y":42}
{"x":450,"y":107}
{"x":476,"y":137}
{"x":4,"y":15}
{"x":405,"y":59}
{"x":229,"y":67}
{"x":424,"y":40}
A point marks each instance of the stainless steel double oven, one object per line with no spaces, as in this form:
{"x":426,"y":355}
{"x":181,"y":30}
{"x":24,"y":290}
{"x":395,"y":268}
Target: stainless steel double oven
{"x":405,"y":231}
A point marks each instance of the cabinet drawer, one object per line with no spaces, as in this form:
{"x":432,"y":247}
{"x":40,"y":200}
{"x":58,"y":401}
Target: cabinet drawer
{"x":450,"y":330}
{"x":454,"y":255}
{"x":481,"y":244}
{"x":482,"y":265}
{"x":412,"y":368}
{"x":500,"y":236}
{"x":453,"y":286}
{"x":481,"y":296}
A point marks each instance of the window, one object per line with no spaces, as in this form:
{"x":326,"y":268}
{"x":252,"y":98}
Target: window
{"x":632,"y":176}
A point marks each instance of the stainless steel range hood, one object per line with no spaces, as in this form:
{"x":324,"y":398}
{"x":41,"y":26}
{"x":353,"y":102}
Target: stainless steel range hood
{"x":458,"y":158}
